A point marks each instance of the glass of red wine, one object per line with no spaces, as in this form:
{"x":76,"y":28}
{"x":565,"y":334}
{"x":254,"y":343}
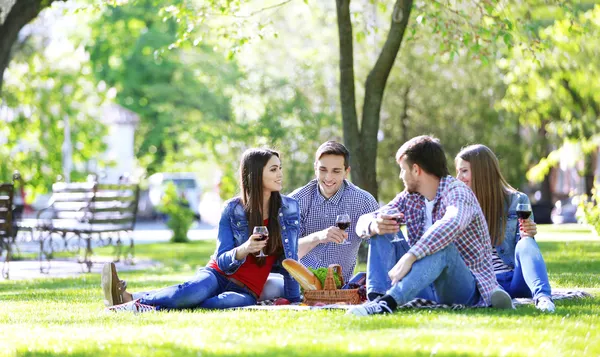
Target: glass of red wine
{"x":342,"y":221}
{"x":396,"y":214}
{"x":264,"y":234}
{"x":523,"y":210}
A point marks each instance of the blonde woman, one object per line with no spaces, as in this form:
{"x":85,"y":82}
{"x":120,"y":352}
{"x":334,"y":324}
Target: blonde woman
{"x":518,"y":262}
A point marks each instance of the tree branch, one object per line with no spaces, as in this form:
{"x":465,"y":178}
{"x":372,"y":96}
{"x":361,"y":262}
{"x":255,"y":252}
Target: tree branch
{"x":21,"y":13}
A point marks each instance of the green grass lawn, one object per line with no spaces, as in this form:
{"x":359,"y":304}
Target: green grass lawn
{"x":65,"y":317}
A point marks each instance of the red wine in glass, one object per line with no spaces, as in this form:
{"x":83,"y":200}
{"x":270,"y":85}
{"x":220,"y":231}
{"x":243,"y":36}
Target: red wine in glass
{"x":262,"y":237}
{"x":342,"y":221}
{"x":343,"y":225}
{"x":396,"y":213}
{"x":523,"y":210}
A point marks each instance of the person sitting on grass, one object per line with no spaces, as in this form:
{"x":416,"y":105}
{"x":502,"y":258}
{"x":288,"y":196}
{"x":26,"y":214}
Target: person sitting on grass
{"x":518,"y":262}
{"x":447,"y":234}
{"x":235,"y":275}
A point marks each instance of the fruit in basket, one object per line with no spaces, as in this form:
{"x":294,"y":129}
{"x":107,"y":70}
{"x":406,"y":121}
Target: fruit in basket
{"x":304,"y":277}
{"x":281,"y":301}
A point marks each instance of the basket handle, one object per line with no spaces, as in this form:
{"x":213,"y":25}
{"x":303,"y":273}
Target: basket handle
{"x":329,"y":281}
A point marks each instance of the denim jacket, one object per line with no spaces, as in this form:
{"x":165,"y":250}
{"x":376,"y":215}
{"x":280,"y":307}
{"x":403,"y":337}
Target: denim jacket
{"x":506,"y":250}
{"x":233,"y":232}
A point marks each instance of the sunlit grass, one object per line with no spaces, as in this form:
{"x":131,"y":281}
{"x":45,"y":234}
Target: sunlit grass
{"x":65,"y":317}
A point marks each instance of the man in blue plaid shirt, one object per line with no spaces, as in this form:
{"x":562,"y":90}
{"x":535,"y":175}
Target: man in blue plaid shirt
{"x":447,"y":234}
{"x":330,"y":194}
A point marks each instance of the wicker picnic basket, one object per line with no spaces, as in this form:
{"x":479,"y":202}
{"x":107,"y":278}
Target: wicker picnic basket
{"x":330,"y":294}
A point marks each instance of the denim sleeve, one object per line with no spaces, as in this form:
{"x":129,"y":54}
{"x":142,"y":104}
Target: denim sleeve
{"x":226,"y":249}
{"x":291,"y":288}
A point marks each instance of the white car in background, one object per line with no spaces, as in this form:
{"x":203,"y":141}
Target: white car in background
{"x":187,"y":187}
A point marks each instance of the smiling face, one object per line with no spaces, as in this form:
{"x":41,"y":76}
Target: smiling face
{"x":463,"y":171}
{"x":272,"y":175}
{"x":330,"y":173}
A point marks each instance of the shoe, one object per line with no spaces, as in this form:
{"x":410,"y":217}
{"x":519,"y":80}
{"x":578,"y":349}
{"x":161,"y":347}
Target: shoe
{"x":112,"y":287}
{"x":545,"y":304}
{"x":134,"y":306}
{"x":501,"y":299}
{"x":370,"y":308}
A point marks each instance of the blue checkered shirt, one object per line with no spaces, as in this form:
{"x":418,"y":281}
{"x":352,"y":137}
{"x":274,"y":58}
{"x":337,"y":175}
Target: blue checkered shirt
{"x":457,"y":218}
{"x":318,"y":213}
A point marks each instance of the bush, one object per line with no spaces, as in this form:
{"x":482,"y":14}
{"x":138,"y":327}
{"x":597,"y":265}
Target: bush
{"x":180,"y":216}
{"x":589,"y":210}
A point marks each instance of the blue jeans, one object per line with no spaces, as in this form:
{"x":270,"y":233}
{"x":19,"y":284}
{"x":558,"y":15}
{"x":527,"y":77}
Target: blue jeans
{"x":530,"y":278}
{"x":209,"y":289}
{"x":453,"y":281}
{"x":383,"y":255}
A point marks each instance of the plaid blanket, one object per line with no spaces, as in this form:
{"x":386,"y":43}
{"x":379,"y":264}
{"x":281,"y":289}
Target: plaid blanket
{"x":557,"y":294}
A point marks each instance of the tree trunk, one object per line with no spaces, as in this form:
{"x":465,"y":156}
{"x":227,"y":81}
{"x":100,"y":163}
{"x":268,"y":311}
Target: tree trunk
{"x":546,"y":188}
{"x":588,"y":172}
{"x":347,"y":90}
{"x":404,"y":116}
{"x":363,"y":144}
{"x":21,"y":13}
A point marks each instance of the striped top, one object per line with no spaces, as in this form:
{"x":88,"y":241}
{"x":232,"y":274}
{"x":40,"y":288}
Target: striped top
{"x":499,"y":265}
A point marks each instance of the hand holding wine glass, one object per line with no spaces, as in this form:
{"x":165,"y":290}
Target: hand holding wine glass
{"x":527,"y":227}
{"x":263,"y":233}
{"x":395,"y":214}
{"x":342,"y":221}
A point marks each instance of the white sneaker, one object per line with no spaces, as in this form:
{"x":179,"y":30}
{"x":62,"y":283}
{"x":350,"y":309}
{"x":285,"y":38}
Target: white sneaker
{"x":370,"y":308}
{"x":545,"y":304}
{"x":501,"y":299}
{"x":134,"y":306}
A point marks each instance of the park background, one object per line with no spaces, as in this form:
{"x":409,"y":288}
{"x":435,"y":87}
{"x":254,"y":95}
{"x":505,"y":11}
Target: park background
{"x":108,"y":87}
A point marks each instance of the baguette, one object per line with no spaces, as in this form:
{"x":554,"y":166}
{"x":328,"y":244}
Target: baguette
{"x":304,"y":277}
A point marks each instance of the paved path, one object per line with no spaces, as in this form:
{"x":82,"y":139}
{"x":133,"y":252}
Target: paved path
{"x":21,"y":270}
{"x":145,"y":232}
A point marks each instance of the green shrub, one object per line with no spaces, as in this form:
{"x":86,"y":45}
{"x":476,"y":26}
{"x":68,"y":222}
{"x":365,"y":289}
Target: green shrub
{"x":589,"y":210}
{"x":180,"y":215}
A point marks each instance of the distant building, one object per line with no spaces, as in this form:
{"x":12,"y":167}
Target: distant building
{"x":121,"y":123}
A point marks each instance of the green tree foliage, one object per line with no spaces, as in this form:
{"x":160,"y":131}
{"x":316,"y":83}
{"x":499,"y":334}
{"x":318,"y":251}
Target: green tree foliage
{"x":180,"y":216}
{"x":553,"y":89}
{"x":195,"y":105}
{"x":180,"y":93}
{"x":48,"y":82}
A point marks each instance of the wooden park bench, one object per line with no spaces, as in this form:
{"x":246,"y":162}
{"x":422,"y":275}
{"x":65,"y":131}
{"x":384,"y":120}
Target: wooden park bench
{"x":82,"y":215}
{"x":6,"y":224}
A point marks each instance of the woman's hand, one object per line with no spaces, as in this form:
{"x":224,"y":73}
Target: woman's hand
{"x":251,"y":246}
{"x":528,"y":228}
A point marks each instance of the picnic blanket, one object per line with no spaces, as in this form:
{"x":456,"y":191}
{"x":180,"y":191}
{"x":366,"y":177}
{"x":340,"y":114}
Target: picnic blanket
{"x":557,"y":294}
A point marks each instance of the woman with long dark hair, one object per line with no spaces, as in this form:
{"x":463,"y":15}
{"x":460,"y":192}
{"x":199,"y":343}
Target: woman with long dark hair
{"x":518,"y":262}
{"x":235,"y":275}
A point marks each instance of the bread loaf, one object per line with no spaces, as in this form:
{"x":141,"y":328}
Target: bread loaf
{"x":304,"y":277}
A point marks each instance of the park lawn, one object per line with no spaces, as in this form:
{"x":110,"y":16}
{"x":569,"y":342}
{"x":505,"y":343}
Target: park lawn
{"x":65,"y":317}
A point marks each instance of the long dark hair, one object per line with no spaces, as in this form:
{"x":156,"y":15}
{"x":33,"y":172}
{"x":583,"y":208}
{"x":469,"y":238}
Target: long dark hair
{"x":490,"y":188}
{"x":251,"y":186}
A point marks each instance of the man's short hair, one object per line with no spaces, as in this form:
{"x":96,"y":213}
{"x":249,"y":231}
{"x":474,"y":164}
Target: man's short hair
{"x":427,"y":152}
{"x":333,"y":148}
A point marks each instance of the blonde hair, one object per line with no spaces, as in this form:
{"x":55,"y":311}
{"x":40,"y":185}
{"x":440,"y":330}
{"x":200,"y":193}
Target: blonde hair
{"x":490,"y":187}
